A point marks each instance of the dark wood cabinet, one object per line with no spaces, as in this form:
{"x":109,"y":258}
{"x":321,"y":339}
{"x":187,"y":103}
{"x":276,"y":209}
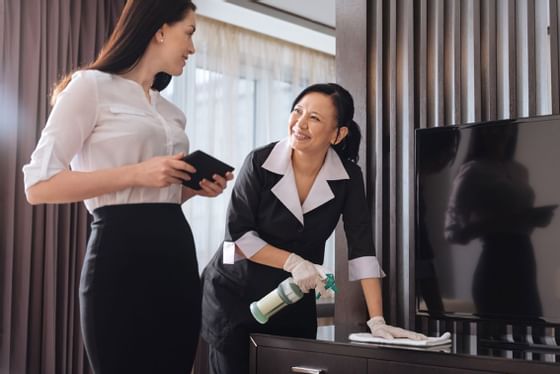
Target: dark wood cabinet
{"x":275,"y":361}
{"x":275,"y":354}
{"x":391,"y":367}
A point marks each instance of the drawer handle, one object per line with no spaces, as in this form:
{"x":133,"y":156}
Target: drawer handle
{"x":304,"y":370}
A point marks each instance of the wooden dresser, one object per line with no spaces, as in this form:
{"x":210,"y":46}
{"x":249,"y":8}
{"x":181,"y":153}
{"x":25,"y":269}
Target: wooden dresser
{"x":275,"y":354}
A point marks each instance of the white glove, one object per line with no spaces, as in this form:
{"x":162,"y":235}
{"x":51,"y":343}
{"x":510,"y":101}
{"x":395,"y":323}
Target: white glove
{"x":320,"y":288}
{"x":305,"y":273}
{"x":380,"y":329}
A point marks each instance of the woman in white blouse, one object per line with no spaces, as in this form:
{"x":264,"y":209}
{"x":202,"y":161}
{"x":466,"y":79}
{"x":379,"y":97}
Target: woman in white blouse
{"x":140,"y":290}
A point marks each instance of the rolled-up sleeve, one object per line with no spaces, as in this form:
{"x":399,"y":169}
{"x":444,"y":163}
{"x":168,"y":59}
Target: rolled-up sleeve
{"x":364,"y":267}
{"x":362,"y":262}
{"x":250,"y":243}
{"x":70,"y":123}
{"x":242,"y":211}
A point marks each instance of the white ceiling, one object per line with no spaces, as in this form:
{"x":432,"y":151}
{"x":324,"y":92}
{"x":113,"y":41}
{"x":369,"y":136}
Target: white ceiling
{"x":277,"y":23}
{"x":320,"y":11}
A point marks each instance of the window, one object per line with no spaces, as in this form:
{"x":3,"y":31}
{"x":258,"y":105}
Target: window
{"x":237,"y":92}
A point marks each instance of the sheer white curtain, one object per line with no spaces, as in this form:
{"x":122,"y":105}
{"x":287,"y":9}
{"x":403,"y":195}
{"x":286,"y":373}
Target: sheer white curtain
{"x":237,"y":91}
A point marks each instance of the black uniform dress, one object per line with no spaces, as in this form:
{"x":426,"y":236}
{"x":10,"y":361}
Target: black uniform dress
{"x":259,"y":206}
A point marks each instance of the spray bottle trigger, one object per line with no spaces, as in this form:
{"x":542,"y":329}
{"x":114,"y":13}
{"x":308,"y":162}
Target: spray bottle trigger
{"x":329,"y":284}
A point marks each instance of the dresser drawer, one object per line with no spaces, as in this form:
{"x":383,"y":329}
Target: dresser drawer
{"x":276,"y":361}
{"x":392,"y":367}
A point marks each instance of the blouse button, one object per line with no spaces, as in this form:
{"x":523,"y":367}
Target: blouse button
{"x":300,"y":229}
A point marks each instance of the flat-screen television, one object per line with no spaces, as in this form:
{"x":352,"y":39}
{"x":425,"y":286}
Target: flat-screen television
{"x":487,"y":223}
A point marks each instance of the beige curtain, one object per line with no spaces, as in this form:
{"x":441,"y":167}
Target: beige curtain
{"x":41,"y":248}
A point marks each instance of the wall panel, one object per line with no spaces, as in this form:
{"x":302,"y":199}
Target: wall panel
{"x":437,"y":63}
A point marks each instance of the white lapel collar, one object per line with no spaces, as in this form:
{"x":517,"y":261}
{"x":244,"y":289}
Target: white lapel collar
{"x":285,"y":190}
{"x":280,"y":158}
{"x":279,"y":161}
{"x":321,"y":192}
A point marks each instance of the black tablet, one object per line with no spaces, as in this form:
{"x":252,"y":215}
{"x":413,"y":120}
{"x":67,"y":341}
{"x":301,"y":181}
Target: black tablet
{"x":206,"y":167}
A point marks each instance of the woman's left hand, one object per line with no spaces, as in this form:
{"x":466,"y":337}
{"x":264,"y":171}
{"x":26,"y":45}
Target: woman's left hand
{"x":380,"y":329}
{"x":210,"y":189}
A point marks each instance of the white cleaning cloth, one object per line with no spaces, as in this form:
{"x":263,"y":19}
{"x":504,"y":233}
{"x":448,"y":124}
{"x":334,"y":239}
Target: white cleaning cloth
{"x":366,"y":337}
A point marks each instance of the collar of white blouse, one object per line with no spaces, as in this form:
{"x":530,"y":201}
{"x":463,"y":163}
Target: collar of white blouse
{"x":280,"y":162}
{"x":150,"y":96}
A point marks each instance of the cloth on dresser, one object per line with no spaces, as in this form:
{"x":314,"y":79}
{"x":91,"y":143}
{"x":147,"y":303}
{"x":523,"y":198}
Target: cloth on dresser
{"x":366,"y":337}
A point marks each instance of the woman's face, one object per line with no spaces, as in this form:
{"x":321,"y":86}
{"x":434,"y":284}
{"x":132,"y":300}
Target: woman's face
{"x":312,"y":124}
{"x":176,"y":41}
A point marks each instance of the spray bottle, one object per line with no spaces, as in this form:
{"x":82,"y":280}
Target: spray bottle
{"x":286,"y":293}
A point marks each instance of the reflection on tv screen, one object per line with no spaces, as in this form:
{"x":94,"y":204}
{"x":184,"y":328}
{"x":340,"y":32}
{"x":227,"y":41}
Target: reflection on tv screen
{"x":487,"y":225}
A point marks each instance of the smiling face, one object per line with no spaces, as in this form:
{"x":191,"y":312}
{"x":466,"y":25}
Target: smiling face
{"x":176,"y":43}
{"x":313,"y":124}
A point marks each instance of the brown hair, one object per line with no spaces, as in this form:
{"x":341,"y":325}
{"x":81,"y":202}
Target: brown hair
{"x":135,"y":28}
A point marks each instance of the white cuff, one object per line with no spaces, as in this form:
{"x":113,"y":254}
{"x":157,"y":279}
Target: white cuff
{"x":250,"y":243}
{"x":364,"y":267}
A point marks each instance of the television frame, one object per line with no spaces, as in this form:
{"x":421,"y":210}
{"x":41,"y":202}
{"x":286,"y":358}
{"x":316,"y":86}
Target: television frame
{"x":415,"y":218}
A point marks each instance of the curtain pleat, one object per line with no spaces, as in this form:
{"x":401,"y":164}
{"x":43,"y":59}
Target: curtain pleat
{"x":41,"y":247}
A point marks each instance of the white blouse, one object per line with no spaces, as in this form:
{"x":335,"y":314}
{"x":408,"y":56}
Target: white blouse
{"x":103,"y":121}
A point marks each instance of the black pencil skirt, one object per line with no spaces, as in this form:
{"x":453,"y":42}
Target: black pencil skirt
{"x":140,"y":296}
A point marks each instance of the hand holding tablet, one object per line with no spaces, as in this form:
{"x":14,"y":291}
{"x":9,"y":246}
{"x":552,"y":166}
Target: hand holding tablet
{"x":206,"y":167}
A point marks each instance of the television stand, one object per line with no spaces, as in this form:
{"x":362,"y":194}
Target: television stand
{"x":517,"y":346}
{"x":275,"y":354}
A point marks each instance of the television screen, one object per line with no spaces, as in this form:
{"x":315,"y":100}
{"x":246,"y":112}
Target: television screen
{"x":487,"y":221}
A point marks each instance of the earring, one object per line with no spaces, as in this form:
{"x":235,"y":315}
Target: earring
{"x":161,"y":40}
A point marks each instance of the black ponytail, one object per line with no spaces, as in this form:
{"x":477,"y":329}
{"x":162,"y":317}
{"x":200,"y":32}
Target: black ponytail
{"x":349,"y":147}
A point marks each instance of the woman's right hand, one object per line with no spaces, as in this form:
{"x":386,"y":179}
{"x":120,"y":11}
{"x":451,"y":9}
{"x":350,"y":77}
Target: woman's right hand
{"x":162,"y":171}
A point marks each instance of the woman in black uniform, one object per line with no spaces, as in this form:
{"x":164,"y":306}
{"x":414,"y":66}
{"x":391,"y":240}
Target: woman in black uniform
{"x":140,"y":290}
{"x":286,"y":202}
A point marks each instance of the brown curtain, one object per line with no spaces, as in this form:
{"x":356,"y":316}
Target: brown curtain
{"x":42,"y":247}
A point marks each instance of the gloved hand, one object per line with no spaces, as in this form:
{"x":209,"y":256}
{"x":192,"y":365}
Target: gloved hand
{"x":305,"y":273}
{"x":320,"y":287}
{"x":380,"y":329}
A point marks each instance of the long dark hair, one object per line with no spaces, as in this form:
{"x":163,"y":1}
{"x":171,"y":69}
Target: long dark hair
{"x":348,"y":148}
{"x":136,"y":26}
